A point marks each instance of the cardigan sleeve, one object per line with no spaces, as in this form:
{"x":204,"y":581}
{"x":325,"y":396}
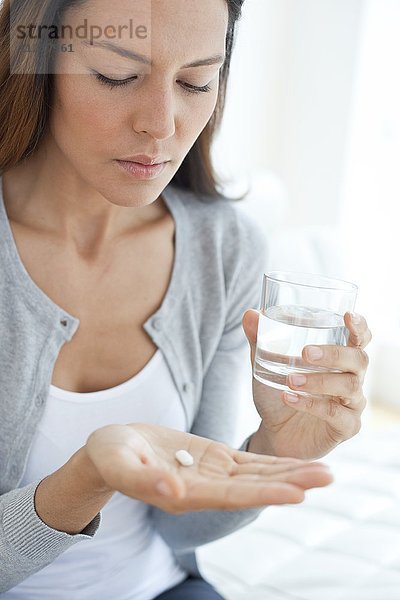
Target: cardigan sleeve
{"x":217,"y":414}
{"x":27,"y":544}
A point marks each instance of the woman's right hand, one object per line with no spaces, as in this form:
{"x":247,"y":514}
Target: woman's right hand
{"x":133,"y":459}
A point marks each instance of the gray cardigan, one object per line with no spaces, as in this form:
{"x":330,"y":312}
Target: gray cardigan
{"x":217,"y":274}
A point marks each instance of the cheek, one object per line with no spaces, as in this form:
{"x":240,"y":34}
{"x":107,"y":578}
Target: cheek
{"x":87,"y":119}
{"x":198,"y":115}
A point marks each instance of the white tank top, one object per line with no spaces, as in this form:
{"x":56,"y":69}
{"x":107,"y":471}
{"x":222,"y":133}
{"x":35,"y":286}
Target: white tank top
{"x":126,"y":559}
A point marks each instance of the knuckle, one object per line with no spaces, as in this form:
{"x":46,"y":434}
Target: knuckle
{"x":336,"y":353}
{"x":364,"y":358}
{"x":344,"y":401}
{"x":310,"y":401}
{"x":361,"y":404}
{"x":323,"y":381}
{"x":354,"y":383}
{"x":332,"y":408}
{"x":356,"y":426}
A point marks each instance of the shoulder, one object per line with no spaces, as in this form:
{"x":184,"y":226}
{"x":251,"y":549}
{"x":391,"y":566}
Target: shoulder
{"x":224,"y":223}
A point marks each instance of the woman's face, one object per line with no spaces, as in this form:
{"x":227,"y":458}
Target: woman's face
{"x":92,"y":125}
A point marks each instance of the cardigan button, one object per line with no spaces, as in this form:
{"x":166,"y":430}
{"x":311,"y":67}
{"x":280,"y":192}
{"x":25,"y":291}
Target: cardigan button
{"x":64,"y":322}
{"x":157,"y":323}
{"x":39,"y":400}
{"x":187,"y":387}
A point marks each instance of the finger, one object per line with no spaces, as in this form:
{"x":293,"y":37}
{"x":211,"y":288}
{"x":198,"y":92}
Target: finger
{"x":342,"y":358}
{"x":259,"y":469}
{"x":251,"y":457}
{"x":359,"y":333}
{"x":250,"y":326}
{"x":267,"y":494}
{"x":328,"y":409}
{"x":307,"y":477}
{"x":235,"y":493}
{"x":345,"y":385}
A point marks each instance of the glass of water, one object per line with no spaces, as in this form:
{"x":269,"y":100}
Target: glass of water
{"x":298,"y":309}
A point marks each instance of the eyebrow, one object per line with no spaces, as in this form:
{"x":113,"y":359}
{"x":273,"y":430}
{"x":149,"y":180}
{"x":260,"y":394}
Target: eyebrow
{"x":212,"y":60}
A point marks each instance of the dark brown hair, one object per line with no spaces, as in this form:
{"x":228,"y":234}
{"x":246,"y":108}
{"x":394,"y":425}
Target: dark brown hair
{"x":25,"y":98}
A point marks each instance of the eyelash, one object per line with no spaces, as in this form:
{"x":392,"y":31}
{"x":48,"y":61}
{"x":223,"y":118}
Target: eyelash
{"x":114,"y":83}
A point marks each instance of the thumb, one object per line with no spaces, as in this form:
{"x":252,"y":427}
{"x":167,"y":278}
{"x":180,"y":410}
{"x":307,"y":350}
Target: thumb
{"x":250,"y":326}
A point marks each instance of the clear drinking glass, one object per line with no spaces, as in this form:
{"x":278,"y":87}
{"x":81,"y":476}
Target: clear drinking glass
{"x":298,"y":309}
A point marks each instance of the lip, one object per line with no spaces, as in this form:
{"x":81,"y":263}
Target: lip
{"x":145,"y":159}
{"x":140,"y":171}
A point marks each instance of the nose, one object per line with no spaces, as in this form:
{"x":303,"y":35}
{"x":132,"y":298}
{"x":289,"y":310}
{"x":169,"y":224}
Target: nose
{"x":155,"y":113}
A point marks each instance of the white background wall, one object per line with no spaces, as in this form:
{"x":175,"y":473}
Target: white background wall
{"x":314,"y":104}
{"x":371,"y":191}
{"x":289,"y":98}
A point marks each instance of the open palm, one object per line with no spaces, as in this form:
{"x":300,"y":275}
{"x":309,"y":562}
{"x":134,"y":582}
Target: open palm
{"x":132,"y":458}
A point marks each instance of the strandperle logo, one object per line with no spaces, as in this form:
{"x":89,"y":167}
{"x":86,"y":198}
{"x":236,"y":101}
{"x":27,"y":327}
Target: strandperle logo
{"x":83,"y":31}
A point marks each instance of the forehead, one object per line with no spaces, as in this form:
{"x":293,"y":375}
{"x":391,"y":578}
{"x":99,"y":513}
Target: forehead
{"x":157,"y":29}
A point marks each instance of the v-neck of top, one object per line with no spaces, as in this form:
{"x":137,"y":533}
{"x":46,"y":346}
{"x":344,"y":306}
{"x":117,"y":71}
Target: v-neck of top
{"x":33,"y":294}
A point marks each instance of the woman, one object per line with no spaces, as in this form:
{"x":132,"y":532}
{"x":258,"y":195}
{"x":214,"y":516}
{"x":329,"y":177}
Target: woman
{"x":147,"y":274}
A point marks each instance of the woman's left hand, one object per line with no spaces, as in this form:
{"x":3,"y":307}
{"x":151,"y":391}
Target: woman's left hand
{"x":307,"y":426}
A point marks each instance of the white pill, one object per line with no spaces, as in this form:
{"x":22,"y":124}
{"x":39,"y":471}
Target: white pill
{"x":184,"y":458}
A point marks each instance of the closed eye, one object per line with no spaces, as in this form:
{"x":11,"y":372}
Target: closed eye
{"x":114,"y":83}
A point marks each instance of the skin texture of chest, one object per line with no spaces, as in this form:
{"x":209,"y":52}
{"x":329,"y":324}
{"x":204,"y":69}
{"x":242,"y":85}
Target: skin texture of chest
{"x":112,"y":295}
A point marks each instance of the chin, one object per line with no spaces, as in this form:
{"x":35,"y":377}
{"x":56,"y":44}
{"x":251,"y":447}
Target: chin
{"x":135,"y":196}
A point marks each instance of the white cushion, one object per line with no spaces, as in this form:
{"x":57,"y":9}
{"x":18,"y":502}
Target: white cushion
{"x":341,"y":543}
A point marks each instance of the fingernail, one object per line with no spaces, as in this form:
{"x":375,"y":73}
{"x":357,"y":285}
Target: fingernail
{"x":291,"y":397}
{"x":356,"y":318}
{"x":164,"y":488}
{"x":297,"y":379}
{"x":314,"y":353}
